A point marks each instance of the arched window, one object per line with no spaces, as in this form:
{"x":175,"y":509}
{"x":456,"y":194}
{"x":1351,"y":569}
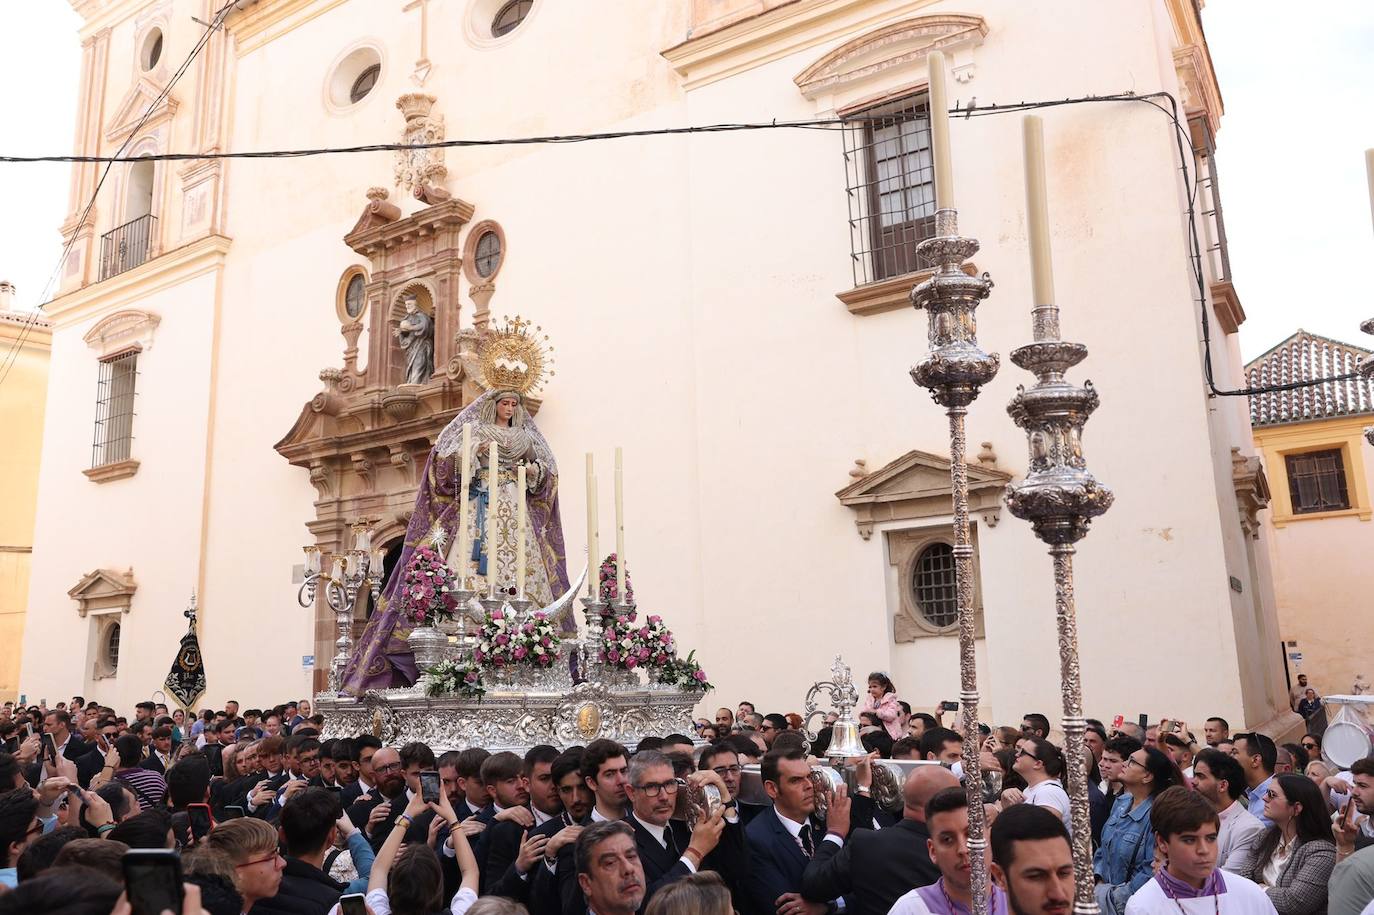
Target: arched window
{"x":138,"y":196}
{"x":509,"y":17}
{"x":488,"y":254}
{"x":364,"y":83}
{"x":933,"y":587}
{"x":109,"y":653}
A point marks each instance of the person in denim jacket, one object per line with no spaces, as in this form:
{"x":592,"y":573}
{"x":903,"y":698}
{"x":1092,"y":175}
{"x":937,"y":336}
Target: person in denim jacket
{"x":1125,"y":859}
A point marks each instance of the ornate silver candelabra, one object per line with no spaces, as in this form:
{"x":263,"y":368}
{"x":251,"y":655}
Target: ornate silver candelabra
{"x":1059,"y":497}
{"x":351,"y":572}
{"x":954,"y":370}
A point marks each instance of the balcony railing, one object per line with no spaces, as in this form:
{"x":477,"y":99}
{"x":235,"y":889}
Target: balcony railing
{"x":125,"y":247}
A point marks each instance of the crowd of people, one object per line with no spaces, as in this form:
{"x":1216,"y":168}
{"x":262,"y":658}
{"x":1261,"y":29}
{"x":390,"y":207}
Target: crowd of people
{"x":265,"y":816}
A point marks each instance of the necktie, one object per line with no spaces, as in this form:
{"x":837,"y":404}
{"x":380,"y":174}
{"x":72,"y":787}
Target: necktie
{"x":671,"y":841}
{"x":805,"y":835}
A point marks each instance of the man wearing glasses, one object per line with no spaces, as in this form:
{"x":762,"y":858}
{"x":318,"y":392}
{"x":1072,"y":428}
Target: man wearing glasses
{"x":722,"y":759}
{"x":771,"y":727}
{"x":668,"y":849}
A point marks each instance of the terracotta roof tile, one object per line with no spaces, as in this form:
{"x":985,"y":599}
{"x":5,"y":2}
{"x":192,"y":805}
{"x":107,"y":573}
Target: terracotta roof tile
{"x":1306,"y":357}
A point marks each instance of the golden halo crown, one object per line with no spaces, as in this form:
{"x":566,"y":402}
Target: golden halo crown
{"x":517,"y":356}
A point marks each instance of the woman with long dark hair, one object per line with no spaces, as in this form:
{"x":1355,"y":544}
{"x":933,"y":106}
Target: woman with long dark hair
{"x":1125,"y":859}
{"x":1294,"y":858}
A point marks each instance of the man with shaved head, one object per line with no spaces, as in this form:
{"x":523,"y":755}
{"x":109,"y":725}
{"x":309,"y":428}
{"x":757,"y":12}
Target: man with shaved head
{"x":874,"y":868}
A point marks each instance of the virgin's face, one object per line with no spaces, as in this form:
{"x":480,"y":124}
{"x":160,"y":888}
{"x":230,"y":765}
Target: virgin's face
{"x":505,"y":409}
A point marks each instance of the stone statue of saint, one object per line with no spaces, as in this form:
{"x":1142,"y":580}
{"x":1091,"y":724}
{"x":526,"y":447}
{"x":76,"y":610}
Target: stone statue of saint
{"x":415,"y":333}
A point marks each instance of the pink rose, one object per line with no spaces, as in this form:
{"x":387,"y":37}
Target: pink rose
{"x":502,"y":639}
{"x":497,"y":615}
{"x":519,"y":653}
{"x":630,"y":663}
{"x":643,"y":654}
{"x":613,"y":656}
{"x":544,"y":641}
{"x":529,"y":627}
{"x":699,"y":676}
{"x":666,"y":638}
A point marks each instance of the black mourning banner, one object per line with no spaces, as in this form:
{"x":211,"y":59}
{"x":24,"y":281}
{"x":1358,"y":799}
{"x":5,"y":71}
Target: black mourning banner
{"x":186,"y":680}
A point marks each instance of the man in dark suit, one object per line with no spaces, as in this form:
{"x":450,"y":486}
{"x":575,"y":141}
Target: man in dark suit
{"x":610,"y":874}
{"x":364,"y":747}
{"x":538,"y":887}
{"x":783,"y":840}
{"x":469,"y":770}
{"x":160,"y":753}
{"x":517,"y":810}
{"x":375,"y":812}
{"x":870,"y":868}
{"x":668,"y":850}
{"x":86,"y":756}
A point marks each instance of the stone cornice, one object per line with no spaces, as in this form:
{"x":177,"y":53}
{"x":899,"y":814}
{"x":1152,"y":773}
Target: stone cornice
{"x":255,"y":23}
{"x":168,"y":269}
{"x":376,"y":236}
{"x":39,"y":333}
{"x":774,"y":34}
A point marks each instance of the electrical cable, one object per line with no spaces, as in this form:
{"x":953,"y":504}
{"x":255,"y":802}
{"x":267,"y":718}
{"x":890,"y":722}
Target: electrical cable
{"x":1182,"y":140}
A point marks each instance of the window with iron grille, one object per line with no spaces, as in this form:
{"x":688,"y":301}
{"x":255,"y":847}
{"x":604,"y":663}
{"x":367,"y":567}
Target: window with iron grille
{"x":890,"y":183}
{"x":1316,"y":482}
{"x":114,"y":409}
{"x":933,"y":586}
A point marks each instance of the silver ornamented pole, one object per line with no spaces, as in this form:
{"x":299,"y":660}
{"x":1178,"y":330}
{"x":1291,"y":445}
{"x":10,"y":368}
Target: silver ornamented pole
{"x":1059,"y":497}
{"x":953,"y":370}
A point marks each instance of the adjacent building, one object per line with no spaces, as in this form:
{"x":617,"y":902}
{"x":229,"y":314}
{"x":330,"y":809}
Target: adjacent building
{"x":25,"y":344}
{"x":729,"y":307}
{"x":1317,"y":460}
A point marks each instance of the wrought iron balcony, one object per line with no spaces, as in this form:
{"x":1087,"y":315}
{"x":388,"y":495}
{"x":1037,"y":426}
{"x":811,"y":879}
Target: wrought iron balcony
{"x":125,"y":247}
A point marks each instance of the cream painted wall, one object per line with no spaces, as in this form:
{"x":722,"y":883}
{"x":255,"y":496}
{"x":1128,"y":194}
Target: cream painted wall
{"x":689,"y":285}
{"x":21,"y":418}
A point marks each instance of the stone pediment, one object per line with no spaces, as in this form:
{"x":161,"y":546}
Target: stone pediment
{"x":898,"y":45}
{"x":131,"y":110}
{"x":104,"y":590}
{"x":916,"y":485}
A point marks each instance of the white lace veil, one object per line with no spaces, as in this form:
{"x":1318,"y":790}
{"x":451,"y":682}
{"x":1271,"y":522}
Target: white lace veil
{"x":483,"y":410}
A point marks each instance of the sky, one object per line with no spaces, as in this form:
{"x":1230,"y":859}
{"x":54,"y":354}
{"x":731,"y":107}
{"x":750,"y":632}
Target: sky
{"x":1299,"y":100}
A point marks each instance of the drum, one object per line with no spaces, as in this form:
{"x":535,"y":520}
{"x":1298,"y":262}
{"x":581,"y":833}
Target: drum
{"x":1348,"y":736}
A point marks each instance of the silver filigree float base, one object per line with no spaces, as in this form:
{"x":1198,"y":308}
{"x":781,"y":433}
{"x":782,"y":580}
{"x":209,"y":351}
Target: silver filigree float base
{"x":428,"y":644}
{"x":544,"y":708}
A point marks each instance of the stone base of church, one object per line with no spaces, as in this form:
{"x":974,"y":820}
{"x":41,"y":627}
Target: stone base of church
{"x":512,"y":719}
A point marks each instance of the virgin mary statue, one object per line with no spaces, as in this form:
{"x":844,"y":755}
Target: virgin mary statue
{"x":382,"y":659}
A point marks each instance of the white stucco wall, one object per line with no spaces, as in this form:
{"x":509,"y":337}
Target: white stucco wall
{"x":689,"y":285}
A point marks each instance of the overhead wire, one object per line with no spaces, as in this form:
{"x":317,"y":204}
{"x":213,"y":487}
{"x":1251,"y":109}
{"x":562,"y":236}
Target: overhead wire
{"x":216,"y":22}
{"x":1182,"y":139}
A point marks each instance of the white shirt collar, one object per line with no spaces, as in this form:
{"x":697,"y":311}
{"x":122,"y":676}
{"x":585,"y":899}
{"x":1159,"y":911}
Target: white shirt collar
{"x":792,"y":826}
{"x":540,"y":817}
{"x":655,"y":831}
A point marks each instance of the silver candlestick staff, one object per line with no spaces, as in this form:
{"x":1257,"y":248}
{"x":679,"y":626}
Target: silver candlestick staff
{"x":954,"y":370}
{"x":358,"y":568}
{"x":1059,"y":497}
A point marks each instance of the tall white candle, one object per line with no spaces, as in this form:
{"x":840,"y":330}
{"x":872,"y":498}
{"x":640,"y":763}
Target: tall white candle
{"x":520,"y":521}
{"x":1369,"y":169}
{"x":493,"y":479}
{"x":464,"y":518}
{"x":619,"y":527}
{"x":939,"y":132}
{"x":593,"y":549}
{"x":1037,"y":211}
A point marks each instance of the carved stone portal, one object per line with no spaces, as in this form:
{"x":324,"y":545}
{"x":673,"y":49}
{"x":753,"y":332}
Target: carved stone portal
{"x":365,"y":437}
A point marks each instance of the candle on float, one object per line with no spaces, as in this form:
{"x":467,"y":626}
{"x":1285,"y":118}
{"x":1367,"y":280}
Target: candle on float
{"x":312,"y":559}
{"x":520,"y":521}
{"x":939,"y":132}
{"x":1369,"y":170}
{"x":493,"y":480}
{"x":363,"y":540}
{"x":1037,"y":217}
{"x":464,"y":478}
{"x":619,"y":527}
{"x":377,"y":562}
{"x":337,"y":569}
{"x":593,"y":551}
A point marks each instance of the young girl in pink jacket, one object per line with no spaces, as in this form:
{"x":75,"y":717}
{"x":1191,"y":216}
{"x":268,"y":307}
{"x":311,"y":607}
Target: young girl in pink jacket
{"x":882,"y":701}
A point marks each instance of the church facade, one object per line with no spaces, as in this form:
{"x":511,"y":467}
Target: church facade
{"x":729,"y":307}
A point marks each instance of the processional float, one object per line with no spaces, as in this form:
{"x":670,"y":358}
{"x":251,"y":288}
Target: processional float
{"x":563,"y":689}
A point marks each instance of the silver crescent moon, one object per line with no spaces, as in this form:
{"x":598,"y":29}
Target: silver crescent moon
{"x":554,"y":611}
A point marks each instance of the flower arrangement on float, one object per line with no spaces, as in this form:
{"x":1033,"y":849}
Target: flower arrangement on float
{"x":628,"y":644}
{"x":427,"y":588}
{"x":505,"y":641}
{"x":606,"y":586}
{"x":463,"y":678}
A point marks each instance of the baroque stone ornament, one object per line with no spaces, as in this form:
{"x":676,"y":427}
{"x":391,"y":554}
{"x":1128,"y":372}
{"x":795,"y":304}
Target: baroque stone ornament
{"x":954,"y":370}
{"x":418,"y":167}
{"x":1059,"y":497}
